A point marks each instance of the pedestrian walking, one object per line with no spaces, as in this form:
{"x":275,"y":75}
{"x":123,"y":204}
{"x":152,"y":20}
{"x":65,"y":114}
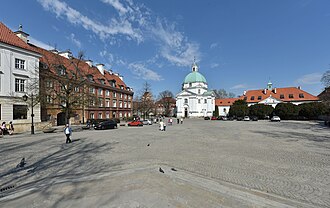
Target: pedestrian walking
{"x":161,"y":125}
{"x":181,"y":119}
{"x":68,"y":133}
{"x":11,"y":128}
{"x":177,"y":120}
{"x":164,"y":125}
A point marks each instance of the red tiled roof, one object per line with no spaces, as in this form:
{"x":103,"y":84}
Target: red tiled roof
{"x":9,"y":37}
{"x":225,"y":101}
{"x":49,"y":57}
{"x":297,"y":94}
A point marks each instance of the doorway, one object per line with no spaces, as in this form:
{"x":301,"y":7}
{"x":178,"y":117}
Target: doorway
{"x":186,"y":112}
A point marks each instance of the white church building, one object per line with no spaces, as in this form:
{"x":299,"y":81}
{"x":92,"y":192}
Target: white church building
{"x":195,"y":100}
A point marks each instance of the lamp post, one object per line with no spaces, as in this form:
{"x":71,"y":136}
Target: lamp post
{"x":25,"y":98}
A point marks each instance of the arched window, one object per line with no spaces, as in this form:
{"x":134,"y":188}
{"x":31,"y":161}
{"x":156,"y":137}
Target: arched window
{"x":199,"y":91}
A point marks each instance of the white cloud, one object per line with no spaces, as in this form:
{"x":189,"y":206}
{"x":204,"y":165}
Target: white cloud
{"x":310,"y":79}
{"x":74,"y":40}
{"x":117,"y":5}
{"x":119,"y":26}
{"x":142,"y":72}
{"x":40,"y":43}
{"x":214,"y":45}
{"x":214,"y":65}
{"x":239,"y":86}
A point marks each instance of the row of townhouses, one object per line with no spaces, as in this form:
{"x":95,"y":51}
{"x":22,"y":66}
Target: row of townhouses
{"x":38,"y":84}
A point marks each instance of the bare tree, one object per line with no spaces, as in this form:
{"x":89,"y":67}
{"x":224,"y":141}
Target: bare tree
{"x":326,"y":79}
{"x":64,"y":83}
{"x":145,"y":100}
{"x":166,"y":100}
{"x":222,"y":93}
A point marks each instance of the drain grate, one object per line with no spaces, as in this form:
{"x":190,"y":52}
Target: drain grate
{"x":5,"y":189}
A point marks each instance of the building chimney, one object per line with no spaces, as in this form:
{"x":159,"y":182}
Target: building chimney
{"x":265,"y":91}
{"x":67,"y":54}
{"x":89,"y":62}
{"x":274,"y":90}
{"x":244,"y":93}
{"x":22,"y":35}
{"x":299,"y":87}
{"x":116,"y":74}
{"x":121,"y":77}
{"x":100,"y":67}
{"x":54,"y":51}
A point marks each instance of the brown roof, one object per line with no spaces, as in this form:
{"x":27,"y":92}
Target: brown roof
{"x":50,"y":58}
{"x":9,"y":37}
{"x":225,"y":101}
{"x":289,"y":94}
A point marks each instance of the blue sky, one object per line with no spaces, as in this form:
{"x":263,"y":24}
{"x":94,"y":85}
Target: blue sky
{"x":239,"y":44}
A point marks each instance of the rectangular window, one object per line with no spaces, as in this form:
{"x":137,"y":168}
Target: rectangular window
{"x":199,"y":101}
{"x":252,"y":97}
{"x":100,"y":92}
{"x":19,"y":63}
{"x":49,"y":99}
{"x":100,"y":102}
{"x":205,"y":100}
{"x":114,"y":94}
{"x":107,"y":92}
{"x":120,"y":104}
{"x":129,"y":105}
{"x":185,"y":100}
{"x":259,"y":97}
{"x":49,"y":83}
{"x":76,"y":89}
{"x":91,"y":115}
{"x":114,"y":103}
{"x":92,"y":90}
{"x":100,"y":116}
{"x":20,"y":112}
{"x":281,"y":96}
{"x":290,"y":95}
{"x":301,"y":95}
{"x":107,"y":115}
{"x":121,"y":95}
{"x":125,"y":104}
{"x":19,"y":85}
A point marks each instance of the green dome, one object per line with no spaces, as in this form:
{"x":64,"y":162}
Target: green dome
{"x":194,"y":77}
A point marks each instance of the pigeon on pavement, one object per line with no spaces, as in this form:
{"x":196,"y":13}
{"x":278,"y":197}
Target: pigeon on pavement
{"x":161,"y":170}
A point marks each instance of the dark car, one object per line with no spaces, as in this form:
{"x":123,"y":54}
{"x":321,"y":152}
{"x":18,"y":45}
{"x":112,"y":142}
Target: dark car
{"x":206,"y":118}
{"x":106,"y":125}
{"x":135,"y":123}
{"x":213,"y":118}
{"x":254,"y":118}
{"x":239,"y":119}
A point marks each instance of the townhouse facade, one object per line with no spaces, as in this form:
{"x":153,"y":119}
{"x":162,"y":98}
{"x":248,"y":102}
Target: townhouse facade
{"x":55,"y":80}
{"x":18,"y":77}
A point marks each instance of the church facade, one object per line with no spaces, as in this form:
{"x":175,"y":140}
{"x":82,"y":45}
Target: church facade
{"x":195,"y":100}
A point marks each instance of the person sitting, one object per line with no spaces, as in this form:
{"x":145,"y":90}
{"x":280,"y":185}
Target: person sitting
{"x":4,"y":128}
{"x":11,"y":128}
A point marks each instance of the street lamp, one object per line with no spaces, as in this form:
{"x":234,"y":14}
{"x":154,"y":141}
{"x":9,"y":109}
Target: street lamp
{"x":25,"y":98}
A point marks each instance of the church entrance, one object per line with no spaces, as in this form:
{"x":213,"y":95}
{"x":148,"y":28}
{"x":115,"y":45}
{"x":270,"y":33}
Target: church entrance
{"x":186,"y":112}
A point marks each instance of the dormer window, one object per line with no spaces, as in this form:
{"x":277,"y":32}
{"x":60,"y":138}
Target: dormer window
{"x":61,"y":70}
{"x":90,"y":78}
{"x":281,"y":96}
{"x":102,"y":81}
{"x":290,"y":95}
{"x":259,"y":97}
{"x":301,"y":95}
{"x":252,"y":97}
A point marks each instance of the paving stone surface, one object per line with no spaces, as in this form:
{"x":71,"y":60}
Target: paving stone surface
{"x":217,"y":164}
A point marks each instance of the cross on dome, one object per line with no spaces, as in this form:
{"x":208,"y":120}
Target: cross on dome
{"x":194,"y":66}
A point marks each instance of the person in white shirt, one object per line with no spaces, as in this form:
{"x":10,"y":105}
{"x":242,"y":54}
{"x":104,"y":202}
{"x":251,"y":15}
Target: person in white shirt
{"x":68,"y":133}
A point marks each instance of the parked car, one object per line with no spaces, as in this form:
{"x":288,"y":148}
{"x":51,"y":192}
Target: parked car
{"x":239,"y":118}
{"x":275,"y":118}
{"x":147,"y":122}
{"x":254,"y":118}
{"x":110,"y":124}
{"x":206,"y":118}
{"x":135,"y":123}
{"x":246,"y":118}
{"x":213,"y":118}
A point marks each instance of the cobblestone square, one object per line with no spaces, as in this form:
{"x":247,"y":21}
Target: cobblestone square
{"x":205,"y":164}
